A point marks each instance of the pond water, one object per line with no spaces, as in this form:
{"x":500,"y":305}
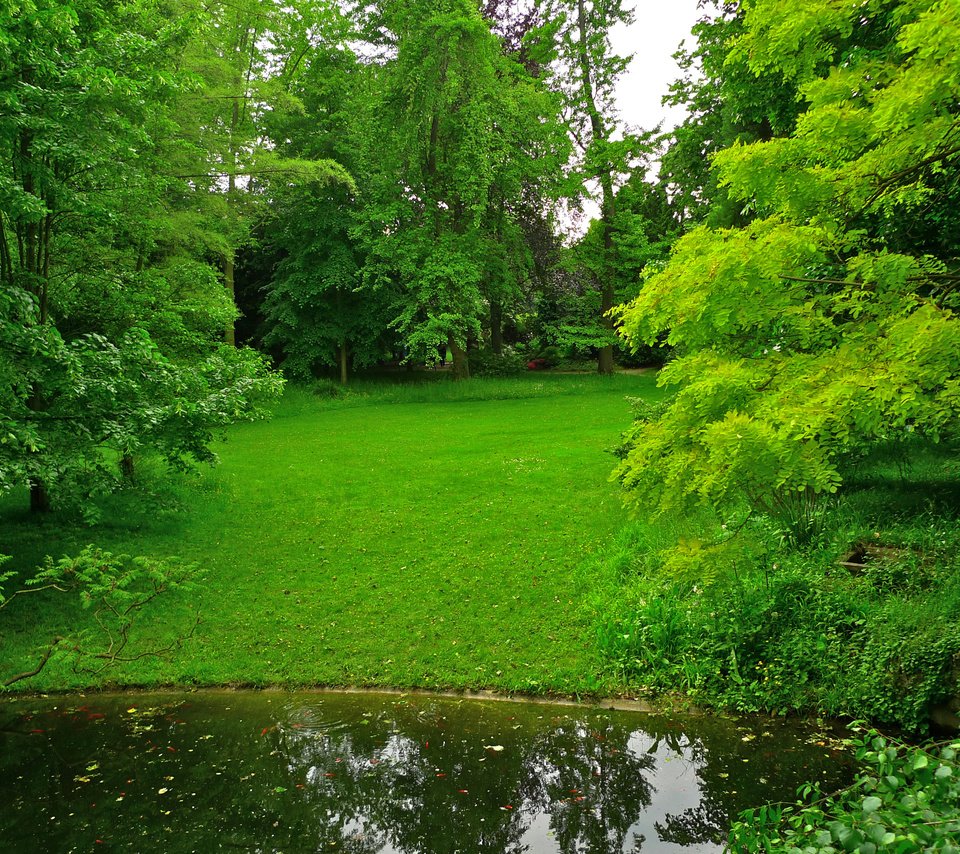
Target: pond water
{"x":311,"y":772}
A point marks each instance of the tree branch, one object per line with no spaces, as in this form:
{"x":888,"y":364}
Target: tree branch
{"x":42,"y":663}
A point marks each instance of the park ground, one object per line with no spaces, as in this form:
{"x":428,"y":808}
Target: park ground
{"x":428,"y":535}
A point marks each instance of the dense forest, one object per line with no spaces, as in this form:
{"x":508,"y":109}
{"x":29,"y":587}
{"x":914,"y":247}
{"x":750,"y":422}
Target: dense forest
{"x":203,"y":201}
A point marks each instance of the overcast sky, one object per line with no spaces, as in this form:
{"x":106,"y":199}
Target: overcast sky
{"x":652,"y":39}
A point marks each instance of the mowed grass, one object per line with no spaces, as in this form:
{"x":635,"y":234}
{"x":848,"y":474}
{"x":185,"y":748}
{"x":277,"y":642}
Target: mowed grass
{"x":372,"y":541}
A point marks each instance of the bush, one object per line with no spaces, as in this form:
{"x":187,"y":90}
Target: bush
{"x":749,"y":622}
{"x":486,"y":363}
{"x":906,"y":799}
{"x":551,"y":356}
{"x":327,"y":389}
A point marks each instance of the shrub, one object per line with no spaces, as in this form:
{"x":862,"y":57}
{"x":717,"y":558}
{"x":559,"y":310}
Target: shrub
{"x":486,"y":363}
{"x":906,"y":799}
{"x":754,"y":624}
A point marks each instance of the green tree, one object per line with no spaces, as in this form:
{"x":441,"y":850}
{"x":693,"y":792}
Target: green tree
{"x":80,"y":294}
{"x":727,"y":103}
{"x":468,"y":133}
{"x":803,"y":337}
{"x":586,"y":73}
{"x":316,"y":310}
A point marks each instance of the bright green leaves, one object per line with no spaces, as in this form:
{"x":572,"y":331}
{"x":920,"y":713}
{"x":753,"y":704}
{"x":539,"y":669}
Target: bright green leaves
{"x":802,"y":338}
{"x":874,"y":121}
{"x":740,"y":310}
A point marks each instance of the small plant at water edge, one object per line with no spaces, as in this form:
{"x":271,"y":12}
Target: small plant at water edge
{"x":906,"y":799}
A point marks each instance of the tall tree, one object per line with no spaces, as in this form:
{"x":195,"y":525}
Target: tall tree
{"x":470,"y":130}
{"x":822,"y":327}
{"x":246,"y":56}
{"x":587,"y":72}
{"x":80,"y":369}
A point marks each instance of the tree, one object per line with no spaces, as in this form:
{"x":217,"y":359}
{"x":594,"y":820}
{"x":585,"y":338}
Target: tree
{"x":468,"y":133}
{"x":116,"y":591}
{"x":727,"y":103}
{"x":315,"y":310}
{"x":803,"y":337}
{"x":85,"y":273}
{"x":246,"y":57}
{"x":645,"y":225}
{"x":587,"y":74}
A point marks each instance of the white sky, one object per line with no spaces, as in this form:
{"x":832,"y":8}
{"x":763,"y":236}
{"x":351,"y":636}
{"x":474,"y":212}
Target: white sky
{"x":660,"y":27}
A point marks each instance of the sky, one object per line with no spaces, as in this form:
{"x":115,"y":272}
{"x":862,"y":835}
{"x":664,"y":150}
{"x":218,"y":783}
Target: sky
{"x":653,"y":38}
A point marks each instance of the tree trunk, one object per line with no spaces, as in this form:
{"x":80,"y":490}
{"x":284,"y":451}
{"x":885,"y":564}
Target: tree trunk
{"x":605,"y":176}
{"x":127,"y":467}
{"x":229,"y":332}
{"x":343,"y":362}
{"x":605,"y":356}
{"x":229,"y":257}
{"x":461,"y":364}
{"x":496,"y":327}
{"x":39,"y":497}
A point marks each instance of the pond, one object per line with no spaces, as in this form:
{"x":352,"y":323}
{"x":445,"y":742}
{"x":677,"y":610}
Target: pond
{"x":352,"y":772}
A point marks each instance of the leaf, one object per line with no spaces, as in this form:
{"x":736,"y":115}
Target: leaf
{"x":872,"y":804}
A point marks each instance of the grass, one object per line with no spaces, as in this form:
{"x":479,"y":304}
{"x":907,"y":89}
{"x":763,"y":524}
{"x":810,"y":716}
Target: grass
{"x":423,"y":534}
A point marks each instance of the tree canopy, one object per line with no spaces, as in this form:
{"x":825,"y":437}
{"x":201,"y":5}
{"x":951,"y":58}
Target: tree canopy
{"x":826,"y":323}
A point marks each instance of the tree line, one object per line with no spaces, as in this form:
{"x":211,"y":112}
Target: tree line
{"x":385,"y":181}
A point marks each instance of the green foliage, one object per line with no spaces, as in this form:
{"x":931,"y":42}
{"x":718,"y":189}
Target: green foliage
{"x":861,"y":622}
{"x":486,"y":363}
{"x":801,"y":339}
{"x":905,"y":799}
{"x":122,"y":396}
{"x":461,"y":141}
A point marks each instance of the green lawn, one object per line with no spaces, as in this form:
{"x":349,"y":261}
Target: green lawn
{"x":372,"y":541}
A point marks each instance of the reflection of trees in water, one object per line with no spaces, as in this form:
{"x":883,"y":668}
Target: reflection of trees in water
{"x":593,"y":787}
{"x":366,"y":775}
{"x":579,"y":772}
{"x":399,"y":782}
{"x":742,"y":767}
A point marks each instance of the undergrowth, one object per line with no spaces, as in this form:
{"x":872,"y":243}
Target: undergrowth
{"x":863,"y":622}
{"x":437,"y":387}
{"x":905,"y":799}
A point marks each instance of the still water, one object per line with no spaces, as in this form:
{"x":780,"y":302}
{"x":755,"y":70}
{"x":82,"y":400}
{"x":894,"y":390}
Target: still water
{"x":358,"y":773}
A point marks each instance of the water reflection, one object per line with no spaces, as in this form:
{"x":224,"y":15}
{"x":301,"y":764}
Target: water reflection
{"x":383,"y":773}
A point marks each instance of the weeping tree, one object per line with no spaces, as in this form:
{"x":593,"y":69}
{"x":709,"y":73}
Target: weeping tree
{"x":468,"y":129}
